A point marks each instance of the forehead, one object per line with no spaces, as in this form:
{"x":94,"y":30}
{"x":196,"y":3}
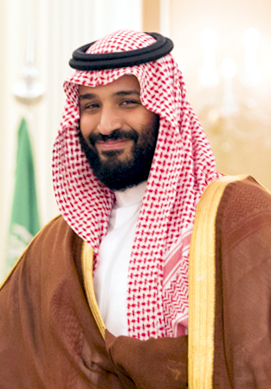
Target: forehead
{"x":127,"y":82}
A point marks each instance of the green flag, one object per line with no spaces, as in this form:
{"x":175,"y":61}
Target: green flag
{"x":24,"y":223}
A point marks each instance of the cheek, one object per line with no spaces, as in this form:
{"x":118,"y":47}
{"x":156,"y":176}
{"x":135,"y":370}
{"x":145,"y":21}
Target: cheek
{"x":150,"y":129}
{"x":87,"y":125}
{"x":151,"y":122}
{"x":145,"y":119}
{"x":151,"y":118}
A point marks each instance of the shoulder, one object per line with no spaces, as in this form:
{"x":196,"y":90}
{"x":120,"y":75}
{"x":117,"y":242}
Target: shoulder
{"x":55,"y":234}
{"x":244,"y":199}
{"x":54,"y":243}
{"x":54,"y":229}
{"x":239,"y":195}
{"x":244,"y":215}
{"x":246,"y":189}
{"x":234,"y":206}
{"x":55,"y":239}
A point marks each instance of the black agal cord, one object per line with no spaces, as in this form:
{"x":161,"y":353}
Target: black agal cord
{"x":82,"y":61}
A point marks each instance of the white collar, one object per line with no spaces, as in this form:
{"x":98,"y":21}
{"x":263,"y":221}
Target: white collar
{"x":130,"y":196}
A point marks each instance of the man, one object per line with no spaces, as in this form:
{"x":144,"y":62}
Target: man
{"x":100,"y":297}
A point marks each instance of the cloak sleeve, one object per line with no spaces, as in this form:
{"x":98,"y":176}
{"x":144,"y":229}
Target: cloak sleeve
{"x":243,"y":293}
{"x":151,"y":364}
{"x":48,"y":336}
{"x":230,"y":287}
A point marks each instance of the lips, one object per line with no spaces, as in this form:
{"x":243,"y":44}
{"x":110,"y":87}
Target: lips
{"x":112,"y":144}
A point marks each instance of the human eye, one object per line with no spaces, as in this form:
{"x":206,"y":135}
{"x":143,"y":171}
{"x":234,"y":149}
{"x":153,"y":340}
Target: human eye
{"x":129,"y":102}
{"x":90,"y":106}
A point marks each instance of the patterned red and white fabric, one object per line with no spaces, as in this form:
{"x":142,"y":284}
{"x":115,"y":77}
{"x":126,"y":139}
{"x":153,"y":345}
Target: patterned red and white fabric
{"x":183,"y":165}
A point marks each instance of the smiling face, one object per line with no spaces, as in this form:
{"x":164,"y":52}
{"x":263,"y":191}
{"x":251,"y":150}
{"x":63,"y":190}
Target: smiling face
{"x":118,"y":134}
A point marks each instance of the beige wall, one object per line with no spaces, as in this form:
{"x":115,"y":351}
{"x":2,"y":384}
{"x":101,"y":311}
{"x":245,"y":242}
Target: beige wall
{"x":242,"y":143}
{"x":151,"y":15}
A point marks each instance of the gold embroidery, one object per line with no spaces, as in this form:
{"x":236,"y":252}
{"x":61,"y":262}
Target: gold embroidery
{"x":202,"y":286}
{"x":87,"y":266}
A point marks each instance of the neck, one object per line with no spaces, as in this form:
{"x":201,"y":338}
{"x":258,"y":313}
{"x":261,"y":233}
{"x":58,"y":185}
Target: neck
{"x":131,"y":195}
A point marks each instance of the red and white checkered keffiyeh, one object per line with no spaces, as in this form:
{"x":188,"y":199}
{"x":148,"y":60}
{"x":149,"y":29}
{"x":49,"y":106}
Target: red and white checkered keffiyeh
{"x":183,"y":165}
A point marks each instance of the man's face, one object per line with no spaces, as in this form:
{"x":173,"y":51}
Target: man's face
{"x":118,"y":134}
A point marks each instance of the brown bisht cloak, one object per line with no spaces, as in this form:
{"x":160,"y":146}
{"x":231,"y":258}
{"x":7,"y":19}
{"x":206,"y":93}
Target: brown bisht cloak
{"x":52,"y":335}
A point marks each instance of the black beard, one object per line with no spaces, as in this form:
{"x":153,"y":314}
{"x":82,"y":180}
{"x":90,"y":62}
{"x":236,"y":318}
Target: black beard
{"x":120,"y":175}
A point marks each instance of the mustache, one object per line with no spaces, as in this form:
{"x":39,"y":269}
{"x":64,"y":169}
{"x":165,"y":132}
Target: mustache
{"x":114,"y":135}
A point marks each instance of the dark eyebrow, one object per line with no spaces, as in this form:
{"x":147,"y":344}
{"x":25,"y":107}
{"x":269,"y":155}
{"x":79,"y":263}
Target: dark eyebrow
{"x":127,"y":93}
{"x":89,"y":96}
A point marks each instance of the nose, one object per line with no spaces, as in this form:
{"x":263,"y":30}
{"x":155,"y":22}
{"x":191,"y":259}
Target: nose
{"x":109,"y":120}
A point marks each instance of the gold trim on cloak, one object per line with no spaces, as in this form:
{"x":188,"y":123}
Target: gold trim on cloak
{"x":87,"y":266}
{"x":202,"y":280}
